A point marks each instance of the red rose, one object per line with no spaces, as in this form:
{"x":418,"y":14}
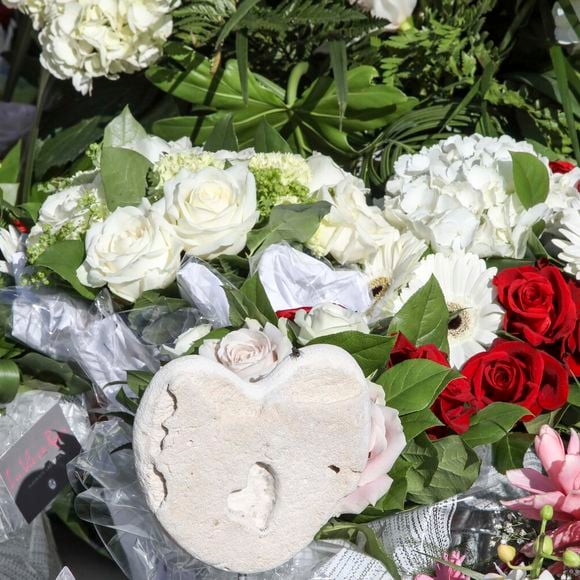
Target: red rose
{"x":456,"y":404}
{"x":515,"y":372}
{"x":561,"y":166}
{"x":570,"y":351}
{"x":538,"y":303}
{"x":404,"y":349}
{"x":290,"y":313}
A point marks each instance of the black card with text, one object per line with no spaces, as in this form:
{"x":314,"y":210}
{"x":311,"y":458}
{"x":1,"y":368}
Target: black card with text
{"x":34,"y":468}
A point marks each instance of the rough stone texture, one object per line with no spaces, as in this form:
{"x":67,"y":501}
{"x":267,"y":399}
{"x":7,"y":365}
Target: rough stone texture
{"x":242,"y":475}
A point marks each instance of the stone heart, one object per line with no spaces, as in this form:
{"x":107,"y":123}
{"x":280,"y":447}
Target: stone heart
{"x":243,"y":475}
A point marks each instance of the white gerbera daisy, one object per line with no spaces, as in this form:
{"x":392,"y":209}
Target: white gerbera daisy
{"x":570,"y":246}
{"x":390,"y":268}
{"x":466,"y":283}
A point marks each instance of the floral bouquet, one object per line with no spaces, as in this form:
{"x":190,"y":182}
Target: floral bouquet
{"x":286,"y":360}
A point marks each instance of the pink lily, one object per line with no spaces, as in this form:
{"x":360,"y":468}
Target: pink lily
{"x":560,"y":487}
{"x":443,"y":572}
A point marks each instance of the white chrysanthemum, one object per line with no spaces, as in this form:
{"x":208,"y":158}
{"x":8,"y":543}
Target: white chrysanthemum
{"x":570,"y":230}
{"x":564,"y":195}
{"x":95,"y":38}
{"x":390,"y":269}
{"x":193,"y":160}
{"x":459,"y":194}
{"x":467,"y":286}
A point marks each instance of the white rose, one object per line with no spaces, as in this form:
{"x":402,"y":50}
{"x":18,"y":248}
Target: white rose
{"x":324,"y":172}
{"x":185,"y":340}
{"x":395,"y":11}
{"x":251,"y":352}
{"x":212,"y":210}
{"x":352,"y":230}
{"x":72,"y":207}
{"x":327,"y":319}
{"x":132,"y":251}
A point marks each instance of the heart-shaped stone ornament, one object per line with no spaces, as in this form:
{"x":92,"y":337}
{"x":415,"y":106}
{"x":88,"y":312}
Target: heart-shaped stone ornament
{"x":243,"y":475}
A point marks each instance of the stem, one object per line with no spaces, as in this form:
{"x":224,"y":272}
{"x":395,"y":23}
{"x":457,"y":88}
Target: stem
{"x":21,"y":44}
{"x":408,"y":24}
{"x":294,"y":80}
{"x":26,"y":181}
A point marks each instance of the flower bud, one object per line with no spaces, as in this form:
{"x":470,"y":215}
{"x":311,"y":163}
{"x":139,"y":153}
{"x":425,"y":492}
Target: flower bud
{"x":544,"y":546}
{"x":571,"y":559}
{"x":547,"y":512}
{"x":506,"y":553}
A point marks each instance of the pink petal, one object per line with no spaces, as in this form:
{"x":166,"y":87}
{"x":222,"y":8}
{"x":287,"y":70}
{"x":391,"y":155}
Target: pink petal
{"x":550,"y":450}
{"x":530,"y":480}
{"x":574,"y":443}
{"x":530,"y":506}
{"x":571,"y":504}
{"x":423,"y":577}
{"x":364,"y":495}
{"x":568,"y":472}
{"x":566,"y":536}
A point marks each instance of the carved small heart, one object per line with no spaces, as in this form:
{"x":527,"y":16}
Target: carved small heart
{"x":243,"y":475}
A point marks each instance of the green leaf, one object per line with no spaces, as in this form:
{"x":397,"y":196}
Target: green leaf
{"x":370,"y":351}
{"x":291,"y":223}
{"x":493,"y":423}
{"x":509,"y":451}
{"x":243,"y":9}
{"x":338,"y":62}
{"x":124,"y":174}
{"x":268,"y":140}
{"x":223,"y":136}
{"x":123,"y":130}
{"x":241,"y":307}
{"x":418,"y":422}
{"x":216,"y":334}
{"x":242,"y":58}
{"x":424,"y":317}
{"x":67,"y":145}
{"x":531,"y":178}
{"x":536,"y":247}
{"x":413,"y":385}
{"x":138,"y":381}
{"x":534,"y":425}
{"x":9,"y":380}
{"x":561,"y":69}
{"x":49,"y":370}
{"x":10,"y":165}
{"x":64,"y":258}
{"x":440,"y":469}
{"x":253,"y":290}
{"x":574,"y":394}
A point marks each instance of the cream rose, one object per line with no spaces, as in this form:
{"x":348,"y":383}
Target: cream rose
{"x":352,"y":230}
{"x":327,"y":319}
{"x":212,"y":210}
{"x":132,"y":251}
{"x":251,"y":352}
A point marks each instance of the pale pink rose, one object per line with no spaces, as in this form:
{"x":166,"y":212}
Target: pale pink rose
{"x":443,"y":572}
{"x":560,"y":488}
{"x":386,"y":444}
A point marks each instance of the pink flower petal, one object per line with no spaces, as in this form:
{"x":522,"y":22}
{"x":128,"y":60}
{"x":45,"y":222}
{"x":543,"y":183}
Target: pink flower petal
{"x":530,"y":506}
{"x":568,"y":472}
{"x":574,"y":443}
{"x":530,"y":480}
{"x":571,"y":504}
{"x":550,"y":450}
{"x":365,"y":495}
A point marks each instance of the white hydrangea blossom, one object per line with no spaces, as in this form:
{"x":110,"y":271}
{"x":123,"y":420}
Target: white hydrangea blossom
{"x":94,"y":38}
{"x":193,"y":159}
{"x":38,"y":10}
{"x":459,"y":194}
{"x":569,"y":230}
{"x":564,"y":195}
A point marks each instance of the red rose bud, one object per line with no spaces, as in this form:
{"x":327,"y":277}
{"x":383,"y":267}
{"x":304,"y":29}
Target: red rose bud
{"x":561,"y":166}
{"x":538,"y":302}
{"x":514,"y":372}
{"x":290,"y":313}
{"x":20,"y":226}
{"x":404,"y":349}
{"x":570,"y":347}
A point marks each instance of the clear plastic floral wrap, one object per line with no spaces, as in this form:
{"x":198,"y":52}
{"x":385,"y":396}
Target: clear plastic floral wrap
{"x":110,"y":498}
{"x":20,"y":416}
